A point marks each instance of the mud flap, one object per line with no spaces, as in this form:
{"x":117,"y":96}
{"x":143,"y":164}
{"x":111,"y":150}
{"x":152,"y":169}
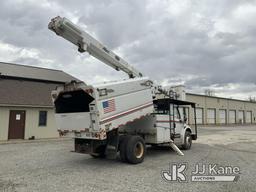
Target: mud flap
{"x":112,"y":144}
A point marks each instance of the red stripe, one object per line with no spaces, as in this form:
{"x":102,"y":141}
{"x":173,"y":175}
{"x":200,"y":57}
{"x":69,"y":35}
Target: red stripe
{"x":128,"y":110}
{"x":125,"y":113}
{"x":109,"y":110}
{"x":166,"y":121}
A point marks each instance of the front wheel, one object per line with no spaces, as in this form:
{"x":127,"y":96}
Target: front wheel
{"x":187,"y":141}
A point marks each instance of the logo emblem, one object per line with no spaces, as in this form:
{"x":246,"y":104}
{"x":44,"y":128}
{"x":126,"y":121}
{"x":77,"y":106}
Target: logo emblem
{"x":176,"y":172}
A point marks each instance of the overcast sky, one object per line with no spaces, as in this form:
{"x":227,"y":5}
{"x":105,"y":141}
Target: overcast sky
{"x":203,"y":44}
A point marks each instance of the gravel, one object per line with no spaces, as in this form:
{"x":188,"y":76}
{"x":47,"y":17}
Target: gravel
{"x":50,"y":166}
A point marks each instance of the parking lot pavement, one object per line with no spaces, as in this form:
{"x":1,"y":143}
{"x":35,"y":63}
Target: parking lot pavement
{"x":50,"y":166}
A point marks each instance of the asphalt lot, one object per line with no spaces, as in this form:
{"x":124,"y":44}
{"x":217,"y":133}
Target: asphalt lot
{"x":50,"y":166}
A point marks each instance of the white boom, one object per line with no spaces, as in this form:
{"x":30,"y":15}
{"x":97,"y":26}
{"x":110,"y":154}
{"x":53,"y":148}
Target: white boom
{"x":69,"y":31}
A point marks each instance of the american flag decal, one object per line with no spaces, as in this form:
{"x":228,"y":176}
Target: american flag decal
{"x":109,"y":106}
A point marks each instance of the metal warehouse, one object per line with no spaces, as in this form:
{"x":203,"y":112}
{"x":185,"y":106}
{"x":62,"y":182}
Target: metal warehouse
{"x":26,"y":109}
{"x":217,"y":110}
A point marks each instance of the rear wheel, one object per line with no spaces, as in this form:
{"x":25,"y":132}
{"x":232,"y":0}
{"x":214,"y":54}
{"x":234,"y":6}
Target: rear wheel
{"x":187,"y":141}
{"x":123,"y":140}
{"x":135,"y":150}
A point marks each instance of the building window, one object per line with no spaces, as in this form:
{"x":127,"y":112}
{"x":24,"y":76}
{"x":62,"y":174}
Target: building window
{"x":42,"y":118}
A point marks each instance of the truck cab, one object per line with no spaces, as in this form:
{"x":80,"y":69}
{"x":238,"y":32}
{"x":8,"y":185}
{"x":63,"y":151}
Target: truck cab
{"x":172,"y":121}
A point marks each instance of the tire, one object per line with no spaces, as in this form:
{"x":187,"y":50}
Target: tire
{"x":135,"y":150}
{"x":123,"y":140}
{"x":187,"y":141}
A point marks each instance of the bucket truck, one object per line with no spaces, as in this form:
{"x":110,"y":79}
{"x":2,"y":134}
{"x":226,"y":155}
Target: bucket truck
{"x":119,"y":117}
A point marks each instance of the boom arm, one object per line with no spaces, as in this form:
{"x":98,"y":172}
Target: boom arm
{"x":69,"y":31}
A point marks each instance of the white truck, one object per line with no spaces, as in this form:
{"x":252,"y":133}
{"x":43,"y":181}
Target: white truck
{"x":122,"y":116}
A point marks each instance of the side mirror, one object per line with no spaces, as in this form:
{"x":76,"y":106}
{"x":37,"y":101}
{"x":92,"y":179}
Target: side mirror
{"x":185,"y":119}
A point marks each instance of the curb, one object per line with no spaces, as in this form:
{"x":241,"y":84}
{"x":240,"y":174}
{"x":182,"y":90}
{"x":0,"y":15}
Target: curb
{"x":34,"y":141}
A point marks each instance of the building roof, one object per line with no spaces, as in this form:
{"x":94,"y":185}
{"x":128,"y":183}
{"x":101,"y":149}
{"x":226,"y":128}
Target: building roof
{"x":22,"y":85}
{"x":200,"y":95}
{"x":34,"y":73}
{"x":26,"y":93}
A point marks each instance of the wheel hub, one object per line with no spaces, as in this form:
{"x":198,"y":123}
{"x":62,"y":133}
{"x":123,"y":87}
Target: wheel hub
{"x":139,"y":150}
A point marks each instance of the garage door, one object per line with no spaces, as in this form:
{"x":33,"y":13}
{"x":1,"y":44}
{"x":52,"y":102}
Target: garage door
{"x":248,"y":117}
{"x":223,"y":116}
{"x":211,"y":116}
{"x":241,"y":116}
{"x":199,"y":115}
{"x":232,"y":116}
